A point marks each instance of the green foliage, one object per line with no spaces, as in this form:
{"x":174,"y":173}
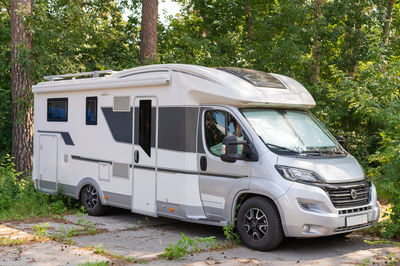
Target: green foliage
{"x":5,"y":82}
{"x":41,"y":230}
{"x":231,"y":235}
{"x":20,"y":200}
{"x":97,"y":263}
{"x":186,"y":245}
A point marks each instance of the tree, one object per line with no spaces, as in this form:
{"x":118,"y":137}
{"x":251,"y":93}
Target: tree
{"x":316,"y":68}
{"x":148,"y":38}
{"x":388,"y":22}
{"x":21,"y":85}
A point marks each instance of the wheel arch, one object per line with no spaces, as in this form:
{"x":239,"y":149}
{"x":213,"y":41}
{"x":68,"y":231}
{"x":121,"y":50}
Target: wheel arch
{"x":242,"y":196}
{"x":90,"y":181}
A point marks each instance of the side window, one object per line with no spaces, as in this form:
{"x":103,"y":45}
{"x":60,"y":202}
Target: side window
{"x":91,"y":110}
{"x":219,"y":124}
{"x":57,"y":110}
{"x":145,"y":125}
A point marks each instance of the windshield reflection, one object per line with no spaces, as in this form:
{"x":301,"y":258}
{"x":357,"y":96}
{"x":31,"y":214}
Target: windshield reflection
{"x":292,"y":132}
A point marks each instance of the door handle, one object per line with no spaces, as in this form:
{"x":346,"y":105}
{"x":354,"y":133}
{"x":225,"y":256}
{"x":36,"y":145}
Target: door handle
{"x":203,"y":163}
{"x":136,"y":156}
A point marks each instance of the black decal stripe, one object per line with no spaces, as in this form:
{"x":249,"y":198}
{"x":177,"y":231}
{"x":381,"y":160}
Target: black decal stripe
{"x":119,"y":123}
{"x":177,"y":171}
{"x":177,"y":127}
{"x":75,"y":157}
{"x":65,"y":135}
{"x":152,"y":168}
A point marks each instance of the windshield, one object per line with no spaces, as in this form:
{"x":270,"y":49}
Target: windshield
{"x":290,"y":131}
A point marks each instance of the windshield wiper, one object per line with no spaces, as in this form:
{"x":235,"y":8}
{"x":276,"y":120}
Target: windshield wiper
{"x":282,"y":149}
{"x":321,"y":153}
{"x":313,"y":152}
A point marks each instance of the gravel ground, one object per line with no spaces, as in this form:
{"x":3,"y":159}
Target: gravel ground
{"x":123,"y":238}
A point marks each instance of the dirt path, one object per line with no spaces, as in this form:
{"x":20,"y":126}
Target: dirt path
{"x":123,"y":238}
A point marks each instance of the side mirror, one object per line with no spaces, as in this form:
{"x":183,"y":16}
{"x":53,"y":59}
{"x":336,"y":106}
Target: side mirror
{"x":342,"y":141}
{"x":229,"y":150}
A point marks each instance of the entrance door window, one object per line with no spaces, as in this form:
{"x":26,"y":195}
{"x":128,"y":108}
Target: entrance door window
{"x":145,"y":125}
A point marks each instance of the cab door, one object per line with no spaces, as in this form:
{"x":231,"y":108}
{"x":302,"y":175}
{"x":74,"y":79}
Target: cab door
{"x":145,"y":155}
{"x":219,"y":180}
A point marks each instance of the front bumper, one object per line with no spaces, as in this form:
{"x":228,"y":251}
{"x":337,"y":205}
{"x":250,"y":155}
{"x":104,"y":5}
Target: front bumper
{"x":307,"y":211}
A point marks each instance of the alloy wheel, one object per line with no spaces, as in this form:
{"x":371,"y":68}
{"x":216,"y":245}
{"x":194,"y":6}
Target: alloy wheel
{"x":256,"y":223}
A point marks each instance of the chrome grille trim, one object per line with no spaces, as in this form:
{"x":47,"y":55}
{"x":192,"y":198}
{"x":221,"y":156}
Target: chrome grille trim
{"x":341,"y":194}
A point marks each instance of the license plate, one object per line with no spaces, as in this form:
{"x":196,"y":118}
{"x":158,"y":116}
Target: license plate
{"x":356,"y":220}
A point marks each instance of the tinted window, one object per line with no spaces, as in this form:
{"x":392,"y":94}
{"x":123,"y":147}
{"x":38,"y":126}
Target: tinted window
{"x":57,"y":109}
{"x":218,"y":124}
{"x":145,"y":125}
{"x":91,"y":110}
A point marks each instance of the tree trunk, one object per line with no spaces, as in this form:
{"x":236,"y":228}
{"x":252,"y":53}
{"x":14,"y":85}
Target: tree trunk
{"x":21,"y":86}
{"x":316,"y":68}
{"x":148,"y":42}
{"x":250,"y":28}
{"x":388,"y":21}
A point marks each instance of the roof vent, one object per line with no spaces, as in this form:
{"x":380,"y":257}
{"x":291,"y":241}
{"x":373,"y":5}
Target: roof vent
{"x":122,"y":104}
{"x":255,"y":77}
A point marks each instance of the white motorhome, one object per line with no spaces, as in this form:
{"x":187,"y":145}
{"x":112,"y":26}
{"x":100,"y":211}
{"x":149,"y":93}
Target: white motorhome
{"x":205,"y":145}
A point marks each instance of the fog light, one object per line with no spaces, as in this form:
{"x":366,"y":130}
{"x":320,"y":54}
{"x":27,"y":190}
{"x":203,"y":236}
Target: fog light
{"x":306,"y":228}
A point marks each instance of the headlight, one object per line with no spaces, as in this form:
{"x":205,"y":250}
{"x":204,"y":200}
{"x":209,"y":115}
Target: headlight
{"x":299,"y":175}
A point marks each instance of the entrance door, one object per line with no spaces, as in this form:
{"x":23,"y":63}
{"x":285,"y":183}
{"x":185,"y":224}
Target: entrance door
{"x":145,"y":155}
{"x":48,"y":163}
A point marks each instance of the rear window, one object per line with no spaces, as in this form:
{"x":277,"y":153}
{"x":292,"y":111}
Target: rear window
{"x":255,"y":77}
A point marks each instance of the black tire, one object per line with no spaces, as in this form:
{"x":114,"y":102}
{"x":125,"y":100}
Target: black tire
{"x":259,"y":224}
{"x":90,"y":199}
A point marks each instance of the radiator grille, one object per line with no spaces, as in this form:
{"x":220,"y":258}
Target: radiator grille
{"x":350,"y":196}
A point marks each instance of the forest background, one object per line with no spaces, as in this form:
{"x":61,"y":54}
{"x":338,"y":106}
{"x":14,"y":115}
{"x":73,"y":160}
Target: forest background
{"x":345,"y":52}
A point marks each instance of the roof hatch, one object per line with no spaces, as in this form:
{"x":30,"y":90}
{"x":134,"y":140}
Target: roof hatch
{"x":255,"y":77}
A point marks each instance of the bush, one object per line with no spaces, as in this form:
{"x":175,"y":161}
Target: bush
{"x":366,"y":110}
{"x":20,"y":200}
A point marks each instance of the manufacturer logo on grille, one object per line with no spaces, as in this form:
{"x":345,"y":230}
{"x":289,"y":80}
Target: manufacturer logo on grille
{"x":353,"y":194}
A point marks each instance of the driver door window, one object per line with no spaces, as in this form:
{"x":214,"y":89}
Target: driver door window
{"x":219,"y":124}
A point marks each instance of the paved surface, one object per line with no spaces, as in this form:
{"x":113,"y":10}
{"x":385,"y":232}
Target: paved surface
{"x":122,"y":237}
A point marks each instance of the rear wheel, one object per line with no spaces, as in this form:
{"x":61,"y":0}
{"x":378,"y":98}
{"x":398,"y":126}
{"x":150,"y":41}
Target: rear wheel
{"x":259,"y":224}
{"x":90,"y":199}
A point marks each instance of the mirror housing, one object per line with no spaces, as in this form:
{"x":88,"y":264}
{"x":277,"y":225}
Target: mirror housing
{"x":229,"y":150}
{"x":342,"y":141}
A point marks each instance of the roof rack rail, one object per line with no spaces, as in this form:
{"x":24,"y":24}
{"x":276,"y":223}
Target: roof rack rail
{"x":94,"y":74}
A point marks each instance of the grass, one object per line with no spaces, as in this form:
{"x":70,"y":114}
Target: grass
{"x":5,"y":241}
{"x":20,"y":200}
{"x":64,"y":235}
{"x":100,"y":250}
{"x":187,"y":245}
{"x":97,"y":263}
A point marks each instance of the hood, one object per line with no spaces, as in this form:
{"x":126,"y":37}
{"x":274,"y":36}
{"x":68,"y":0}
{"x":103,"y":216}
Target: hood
{"x":332,"y":170}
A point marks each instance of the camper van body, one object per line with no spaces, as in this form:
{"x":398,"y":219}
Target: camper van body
{"x":137,"y":138}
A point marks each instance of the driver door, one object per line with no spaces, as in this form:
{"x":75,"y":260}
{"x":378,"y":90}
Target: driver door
{"x":219,"y":180}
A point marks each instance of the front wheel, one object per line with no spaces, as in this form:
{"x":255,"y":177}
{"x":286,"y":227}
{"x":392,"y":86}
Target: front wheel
{"x":90,"y":199}
{"x":259,"y":224}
